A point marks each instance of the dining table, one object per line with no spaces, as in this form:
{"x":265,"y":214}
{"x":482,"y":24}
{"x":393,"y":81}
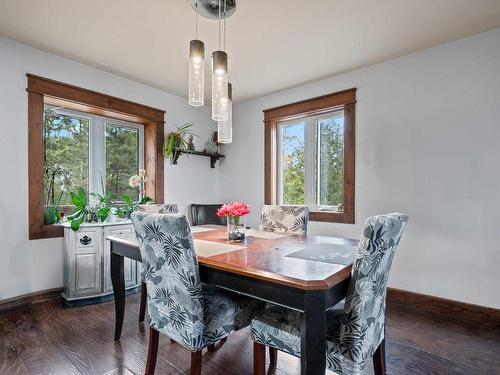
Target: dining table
{"x":304,"y":273}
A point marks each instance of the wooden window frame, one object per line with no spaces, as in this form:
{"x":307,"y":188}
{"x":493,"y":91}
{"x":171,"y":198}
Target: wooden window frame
{"x":43,"y":91}
{"x":345,"y":100}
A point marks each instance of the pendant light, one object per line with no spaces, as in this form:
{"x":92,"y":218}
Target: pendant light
{"x":225,"y":127}
{"x":196,"y":70}
{"x":219,"y":79}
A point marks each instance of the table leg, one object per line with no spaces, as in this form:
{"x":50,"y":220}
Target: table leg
{"x":118,"y":280}
{"x":313,"y":331}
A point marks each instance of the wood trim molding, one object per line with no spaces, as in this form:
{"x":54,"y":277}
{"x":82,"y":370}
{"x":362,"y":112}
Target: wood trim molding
{"x":79,"y":95}
{"x":42,"y":90}
{"x":322,"y":104}
{"x":450,"y":309}
{"x":309,"y":107}
{"x":28,"y":300}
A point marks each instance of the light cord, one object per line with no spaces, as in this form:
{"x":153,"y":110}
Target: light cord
{"x":196,"y":22}
{"x":219,"y":24}
{"x":224,"y":21}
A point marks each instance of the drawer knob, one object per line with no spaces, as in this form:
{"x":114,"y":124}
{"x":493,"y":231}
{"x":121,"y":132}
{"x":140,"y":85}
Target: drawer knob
{"x":85,"y":240}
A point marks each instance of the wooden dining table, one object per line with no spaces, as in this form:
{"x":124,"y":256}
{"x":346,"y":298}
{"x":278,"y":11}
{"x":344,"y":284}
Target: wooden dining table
{"x":266,"y":269}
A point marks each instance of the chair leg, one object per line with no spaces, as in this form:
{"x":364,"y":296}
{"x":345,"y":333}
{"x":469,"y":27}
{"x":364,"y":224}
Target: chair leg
{"x":196,"y":363}
{"x":259,"y":359}
{"x":144,"y":296}
{"x":154,"y":337}
{"x":273,"y":357}
{"x":379,"y":359}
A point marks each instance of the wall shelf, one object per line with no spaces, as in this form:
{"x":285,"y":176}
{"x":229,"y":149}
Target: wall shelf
{"x":213,"y":157}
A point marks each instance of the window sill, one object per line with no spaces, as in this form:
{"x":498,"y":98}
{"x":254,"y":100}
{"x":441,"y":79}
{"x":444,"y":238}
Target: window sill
{"x":332,"y":217}
{"x":40,"y":232}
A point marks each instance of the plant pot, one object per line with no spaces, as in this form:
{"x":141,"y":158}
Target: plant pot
{"x":112,"y":217}
{"x":235,"y":228}
{"x":51,"y":215}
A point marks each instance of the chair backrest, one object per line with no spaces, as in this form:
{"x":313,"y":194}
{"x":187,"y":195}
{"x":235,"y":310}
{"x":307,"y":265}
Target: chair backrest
{"x":363,"y":323}
{"x":172,"y":276}
{"x":202,"y":214}
{"x":166,"y":208}
{"x":289,"y":219}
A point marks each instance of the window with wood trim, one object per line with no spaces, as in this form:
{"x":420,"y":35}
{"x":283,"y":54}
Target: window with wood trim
{"x":96,"y":153}
{"x":96,"y":127}
{"x":309,"y":156}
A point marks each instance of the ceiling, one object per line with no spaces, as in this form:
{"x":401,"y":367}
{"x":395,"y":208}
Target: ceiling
{"x":272,"y":45}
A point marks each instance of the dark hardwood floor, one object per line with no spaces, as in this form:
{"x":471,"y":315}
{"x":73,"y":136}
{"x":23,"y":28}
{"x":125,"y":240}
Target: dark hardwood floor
{"x":51,"y":339}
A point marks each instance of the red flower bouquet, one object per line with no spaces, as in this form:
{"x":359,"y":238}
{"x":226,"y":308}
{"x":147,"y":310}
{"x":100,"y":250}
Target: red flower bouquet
{"x":235,"y":224}
{"x":234,"y":209}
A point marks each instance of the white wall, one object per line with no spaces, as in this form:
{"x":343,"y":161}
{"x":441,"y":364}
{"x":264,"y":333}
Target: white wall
{"x":27,"y":266}
{"x":427,"y":144}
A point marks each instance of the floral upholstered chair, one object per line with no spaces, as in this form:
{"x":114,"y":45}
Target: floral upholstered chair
{"x":165,"y":208}
{"x":287,"y":219}
{"x":192,"y":314}
{"x":356,"y":326}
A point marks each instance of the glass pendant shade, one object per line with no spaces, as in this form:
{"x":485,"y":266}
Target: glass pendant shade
{"x":196,"y":73}
{"x":220,"y":101}
{"x":225,"y":127}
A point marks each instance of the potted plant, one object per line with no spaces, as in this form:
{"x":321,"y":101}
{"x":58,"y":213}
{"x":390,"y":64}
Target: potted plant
{"x":136,"y":181}
{"x":52,"y":210}
{"x":139,"y":181}
{"x":81,"y":213}
{"x":175,"y":141}
{"x":235,"y":213}
{"x":130,"y":206}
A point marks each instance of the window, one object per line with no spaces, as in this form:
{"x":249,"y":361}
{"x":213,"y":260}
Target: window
{"x":89,"y":151}
{"x":329,"y":162}
{"x":123,"y":150}
{"x":76,"y":105}
{"x":310,"y":163}
{"x":66,"y":154}
{"x":292,"y":163}
{"x":309,"y":152}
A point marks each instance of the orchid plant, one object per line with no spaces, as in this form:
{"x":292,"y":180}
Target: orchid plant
{"x":137,"y":181}
{"x":52,"y":211}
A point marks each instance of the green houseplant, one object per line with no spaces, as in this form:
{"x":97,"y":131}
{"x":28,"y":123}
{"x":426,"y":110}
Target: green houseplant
{"x":81,"y":213}
{"x":175,"y":141}
{"x":130,"y":206}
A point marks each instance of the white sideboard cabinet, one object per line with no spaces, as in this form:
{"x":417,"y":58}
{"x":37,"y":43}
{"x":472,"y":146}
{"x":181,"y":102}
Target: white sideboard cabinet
{"x":87,"y":275}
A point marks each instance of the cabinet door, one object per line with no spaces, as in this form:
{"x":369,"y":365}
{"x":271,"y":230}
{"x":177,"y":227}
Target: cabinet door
{"x":129,"y":265}
{"x":85,"y":262}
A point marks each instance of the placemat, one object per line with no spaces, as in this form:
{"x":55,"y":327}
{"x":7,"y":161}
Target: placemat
{"x":327,"y":253}
{"x":202,"y":247}
{"x":199,"y":229}
{"x":208,"y":248}
{"x":264,"y":234}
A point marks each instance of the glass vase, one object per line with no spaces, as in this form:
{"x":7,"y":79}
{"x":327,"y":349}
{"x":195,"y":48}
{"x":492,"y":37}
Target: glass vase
{"x":235,"y":228}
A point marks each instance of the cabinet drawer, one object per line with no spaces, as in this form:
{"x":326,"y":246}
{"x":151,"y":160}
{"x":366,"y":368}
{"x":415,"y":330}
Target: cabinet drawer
{"x":119,"y":230}
{"x":86,"y":239}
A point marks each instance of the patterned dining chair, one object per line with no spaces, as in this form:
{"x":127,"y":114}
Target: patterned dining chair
{"x":165,"y":208}
{"x":202,"y":214}
{"x":180,"y":306}
{"x":287,"y":219}
{"x":356,"y":326}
